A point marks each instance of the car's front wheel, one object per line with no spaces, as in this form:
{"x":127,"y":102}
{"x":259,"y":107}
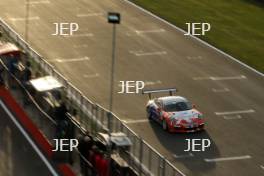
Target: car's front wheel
{"x":164,"y":125}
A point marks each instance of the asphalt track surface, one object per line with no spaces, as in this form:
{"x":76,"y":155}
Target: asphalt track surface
{"x":16,"y":153}
{"x":229,"y":94}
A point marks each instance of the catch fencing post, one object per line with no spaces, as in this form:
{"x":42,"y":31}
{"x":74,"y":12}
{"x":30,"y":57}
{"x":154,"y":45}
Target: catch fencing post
{"x":159,"y":166}
{"x":162,"y":162}
{"x":91,"y":119}
{"x":96,"y":116}
{"x":134,"y":146}
{"x":141,"y":155}
{"x":163,"y":168}
{"x":174,"y":172}
{"x":150,"y":159}
{"x":121,"y":127}
{"x":102,"y":116}
{"x":109,"y":148}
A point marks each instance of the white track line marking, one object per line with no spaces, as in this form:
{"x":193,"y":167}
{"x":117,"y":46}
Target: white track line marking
{"x":196,"y":38}
{"x":220,"y":90}
{"x":149,"y":31}
{"x":147,"y":83}
{"x":84,"y":30}
{"x":80,"y":46}
{"x":219,"y":78}
{"x":89,"y":15}
{"x":135,"y":121}
{"x":24,"y":19}
{"x":38,"y":2}
{"x":71,"y":60}
{"x":228,"y":158}
{"x":262,"y":167}
{"x":151,"y":53}
{"x":151,"y":83}
{"x":91,"y":75}
{"x":201,"y":78}
{"x":194,"y":57}
{"x":139,"y":32}
{"x":128,"y":34}
{"x":79,"y":35}
{"x":183,"y":156}
{"x":235,"y":112}
{"x":232,"y":117}
{"x":141,"y":53}
{"x":228,"y":78}
{"x":21,"y":129}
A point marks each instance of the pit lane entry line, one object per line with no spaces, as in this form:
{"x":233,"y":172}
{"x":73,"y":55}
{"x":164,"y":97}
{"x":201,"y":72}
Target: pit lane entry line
{"x":228,"y":158}
{"x":54,"y":173}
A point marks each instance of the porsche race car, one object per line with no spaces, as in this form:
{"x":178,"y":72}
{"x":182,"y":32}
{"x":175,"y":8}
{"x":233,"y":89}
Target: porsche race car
{"x":174,"y":113}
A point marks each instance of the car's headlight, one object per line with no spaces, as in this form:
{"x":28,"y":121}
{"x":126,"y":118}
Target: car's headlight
{"x":174,"y":121}
{"x":200,"y":116}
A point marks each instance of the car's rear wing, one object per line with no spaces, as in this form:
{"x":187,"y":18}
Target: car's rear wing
{"x":149,"y":92}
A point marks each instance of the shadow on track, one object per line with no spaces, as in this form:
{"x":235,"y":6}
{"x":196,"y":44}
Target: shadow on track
{"x":175,"y":143}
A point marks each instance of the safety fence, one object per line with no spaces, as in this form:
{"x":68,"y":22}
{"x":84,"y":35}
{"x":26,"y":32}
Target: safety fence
{"x":37,"y":130}
{"x":94,"y":118}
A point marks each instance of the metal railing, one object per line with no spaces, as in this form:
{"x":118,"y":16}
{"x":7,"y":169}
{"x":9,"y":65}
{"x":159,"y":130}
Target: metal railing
{"x":93,"y":117}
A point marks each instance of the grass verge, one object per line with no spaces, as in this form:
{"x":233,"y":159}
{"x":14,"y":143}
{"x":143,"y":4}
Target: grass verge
{"x":237,"y":25}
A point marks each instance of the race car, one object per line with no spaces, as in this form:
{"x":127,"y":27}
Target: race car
{"x":174,"y":113}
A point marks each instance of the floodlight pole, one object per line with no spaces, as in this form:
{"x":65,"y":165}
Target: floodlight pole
{"x":113,"y":18}
{"x":112,"y":79}
{"x":112,"y":69}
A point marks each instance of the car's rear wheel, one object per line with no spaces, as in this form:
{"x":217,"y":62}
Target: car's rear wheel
{"x":164,"y":125}
{"x":149,"y":114}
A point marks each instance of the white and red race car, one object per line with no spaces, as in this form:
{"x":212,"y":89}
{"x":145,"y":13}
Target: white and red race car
{"x":174,"y":113}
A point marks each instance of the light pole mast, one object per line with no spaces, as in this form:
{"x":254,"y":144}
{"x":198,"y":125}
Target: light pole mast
{"x":113,"y":18}
{"x":112,"y":69}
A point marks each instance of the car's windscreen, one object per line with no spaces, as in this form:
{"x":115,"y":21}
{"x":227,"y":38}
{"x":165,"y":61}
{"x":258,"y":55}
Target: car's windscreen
{"x":177,"y":106}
